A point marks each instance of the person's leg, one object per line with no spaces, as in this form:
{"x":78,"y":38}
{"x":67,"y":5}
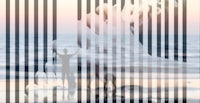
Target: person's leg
{"x":63,"y":81}
{"x":63,"y":78}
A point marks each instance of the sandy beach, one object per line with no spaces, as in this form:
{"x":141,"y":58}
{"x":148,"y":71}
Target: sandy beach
{"x":46,"y":89}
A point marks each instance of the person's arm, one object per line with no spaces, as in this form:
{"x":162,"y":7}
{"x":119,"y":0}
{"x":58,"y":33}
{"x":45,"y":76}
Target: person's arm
{"x":75,"y":53}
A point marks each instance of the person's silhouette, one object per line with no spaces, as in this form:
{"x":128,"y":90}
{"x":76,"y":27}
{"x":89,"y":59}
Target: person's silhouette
{"x":65,"y":58}
{"x":71,"y":85}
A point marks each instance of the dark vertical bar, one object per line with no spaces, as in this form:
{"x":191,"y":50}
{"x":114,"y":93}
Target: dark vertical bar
{"x":166,"y":82}
{"x":166,"y":29}
{"x":122,"y":4}
{"x":150,"y":53}
{"x":175,"y":31}
{"x":35,"y":42}
{"x":150,"y":30}
{"x":35,"y":36}
{"x":166,"y":49}
{"x":105,"y":66}
{"x":132,"y":60}
{"x":54,"y":19}
{"x":88,"y":5}
{"x":54,"y":39}
{"x":158,"y":30}
{"x":17,"y":51}
{"x":141,"y":24}
{"x":123,"y":61}
{"x":114,"y":2}
{"x":45,"y":41}
{"x":97,"y":59}
{"x":184,"y":50}
{"x":26,"y":42}
{"x":185,"y":30}
{"x":114,"y":54}
{"x":7,"y":51}
{"x":141,"y":55}
{"x":175,"y":51}
{"x":45,"y":35}
{"x":158,"y":51}
{"x":80,"y":45}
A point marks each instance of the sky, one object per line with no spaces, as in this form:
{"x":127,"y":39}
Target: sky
{"x":67,"y":15}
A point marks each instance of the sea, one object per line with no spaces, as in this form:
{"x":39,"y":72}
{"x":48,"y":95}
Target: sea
{"x":130,"y":56}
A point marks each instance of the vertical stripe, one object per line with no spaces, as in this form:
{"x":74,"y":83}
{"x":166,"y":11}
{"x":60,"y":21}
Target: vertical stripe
{"x":150,"y":52}
{"x":158,"y":51}
{"x":140,"y":23}
{"x":17,"y":51}
{"x":166,"y":81}
{"x":54,"y":39}
{"x":176,"y":51}
{"x":122,"y":4}
{"x":175,"y":30}
{"x":26,"y":42}
{"x":184,"y":30}
{"x":132,"y":58}
{"x":45,"y":35}
{"x":150,"y":30}
{"x":7,"y":51}
{"x":123,"y":26}
{"x":158,"y":29}
{"x":184,"y":50}
{"x":97,"y":57}
{"x":114,"y":51}
{"x":45,"y":52}
{"x":166,"y":29}
{"x":35,"y":36}
{"x":79,"y":40}
{"x":140,"y":51}
{"x":105,"y":66}
{"x":88,"y":54}
{"x":54,"y":19}
{"x":166,"y":49}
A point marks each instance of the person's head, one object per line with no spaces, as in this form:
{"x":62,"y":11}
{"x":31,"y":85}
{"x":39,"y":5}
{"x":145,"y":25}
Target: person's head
{"x":65,"y":51}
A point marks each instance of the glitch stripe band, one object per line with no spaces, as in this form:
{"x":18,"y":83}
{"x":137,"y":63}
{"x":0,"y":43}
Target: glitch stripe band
{"x":132,"y":60}
{"x":7,"y":51}
{"x":54,"y":48}
{"x":17,"y":51}
{"x":99,"y":51}
{"x":88,"y":57}
{"x":159,"y":23}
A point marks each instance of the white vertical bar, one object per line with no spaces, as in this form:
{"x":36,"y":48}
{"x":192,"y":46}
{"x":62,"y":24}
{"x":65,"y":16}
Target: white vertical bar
{"x":118,"y":48}
{"x":31,"y":50}
{"x":12,"y":50}
{"x":171,"y":49}
{"x":101,"y":60}
{"x":144,"y":50}
{"x":154,"y":27}
{"x":83,"y":19}
{"x":127,"y":19}
{"x":180,"y":46}
{"x":51,"y":77}
{"x":171,"y":29}
{"x":21,"y":50}
{"x":40,"y":72}
{"x":156,"y":65}
{"x":109,"y":43}
{"x":40,"y":34}
{"x":3,"y":50}
{"x":93,"y":24}
{"x":162,"y":11}
{"x":136,"y":14}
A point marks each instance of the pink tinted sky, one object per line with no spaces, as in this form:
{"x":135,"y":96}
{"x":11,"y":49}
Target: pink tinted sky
{"x":67,"y":15}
